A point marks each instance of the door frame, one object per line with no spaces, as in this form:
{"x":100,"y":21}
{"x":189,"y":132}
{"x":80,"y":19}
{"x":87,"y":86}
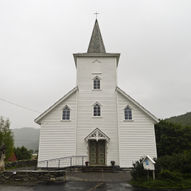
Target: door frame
{"x":89,"y":142}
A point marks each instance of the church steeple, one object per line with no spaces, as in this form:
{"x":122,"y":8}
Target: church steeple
{"x":96,"y":44}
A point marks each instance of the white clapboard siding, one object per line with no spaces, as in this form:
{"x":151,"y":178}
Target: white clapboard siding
{"x":136,"y":137}
{"x":105,"y":69}
{"x":129,"y":140}
{"x":58,"y":137}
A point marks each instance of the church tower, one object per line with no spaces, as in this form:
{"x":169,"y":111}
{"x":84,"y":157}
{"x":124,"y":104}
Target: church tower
{"x":97,"y":82}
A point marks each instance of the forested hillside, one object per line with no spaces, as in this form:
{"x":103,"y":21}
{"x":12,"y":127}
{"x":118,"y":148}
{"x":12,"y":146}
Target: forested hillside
{"x":184,"y":120}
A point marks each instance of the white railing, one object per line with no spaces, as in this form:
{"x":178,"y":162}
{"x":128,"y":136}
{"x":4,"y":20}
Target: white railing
{"x":63,"y":162}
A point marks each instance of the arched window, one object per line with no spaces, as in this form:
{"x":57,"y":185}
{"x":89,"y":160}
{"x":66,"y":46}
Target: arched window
{"x":128,"y":113}
{"x":96,"y":84}
{"x":97,"y":110}
{"x":66,"y":113}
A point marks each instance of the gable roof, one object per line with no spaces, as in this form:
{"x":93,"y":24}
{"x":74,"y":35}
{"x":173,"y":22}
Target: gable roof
{"x":96,"y":44}
{"x":39,"y":118}
{"x":97,"y":134}
{"x":138,"y":105}
{"x":148,"y":157}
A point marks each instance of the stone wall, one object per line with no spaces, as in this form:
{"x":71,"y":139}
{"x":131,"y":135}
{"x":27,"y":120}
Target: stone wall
{"x":28,"y":177}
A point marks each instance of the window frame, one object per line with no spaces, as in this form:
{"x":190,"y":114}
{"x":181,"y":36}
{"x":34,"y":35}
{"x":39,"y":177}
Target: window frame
{"x":128,"y":114}
{"x":68,"y":114}
{"x":93,"y":83}
{"x":100,"y":110}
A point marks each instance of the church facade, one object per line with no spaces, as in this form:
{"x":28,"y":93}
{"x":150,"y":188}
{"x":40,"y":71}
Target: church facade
{"x":96,"y":121}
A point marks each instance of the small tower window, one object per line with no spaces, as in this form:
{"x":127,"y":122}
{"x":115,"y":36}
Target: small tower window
{"x":96,"y":83}
{"x":97,"y":110}
{"x":128,"y":113}
{"x":66,"y":113}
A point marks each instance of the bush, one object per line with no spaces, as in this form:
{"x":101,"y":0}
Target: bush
{"x":169,"y":175}
{"x":138,"y":171}
{"x":22,"y":153}
{"x":176,"y":162}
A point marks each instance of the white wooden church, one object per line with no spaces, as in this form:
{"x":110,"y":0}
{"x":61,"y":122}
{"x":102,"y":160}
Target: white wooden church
{"x":96,"y":121}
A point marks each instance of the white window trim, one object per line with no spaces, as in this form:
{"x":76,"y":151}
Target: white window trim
{"x":93,"y":110}
{"x":93,"y":83}
{"x":128,"y":120}
{"x":65,"y":120}
{"x":97,"y":117}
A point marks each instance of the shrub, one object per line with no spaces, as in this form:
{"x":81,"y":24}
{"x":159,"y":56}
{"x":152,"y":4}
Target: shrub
{"x":169,"y":175}
{"x":138,"y":171}
{"x":176,"y":162}
{"x":22,"y":153}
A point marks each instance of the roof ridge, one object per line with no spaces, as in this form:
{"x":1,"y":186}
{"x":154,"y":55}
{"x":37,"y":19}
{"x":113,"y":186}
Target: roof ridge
{"x":137,"y":104}
{"x":37,"y":120}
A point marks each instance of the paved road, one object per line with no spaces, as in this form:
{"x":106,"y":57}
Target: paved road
{"x":73,"y":186}
{"x":98,"y":177}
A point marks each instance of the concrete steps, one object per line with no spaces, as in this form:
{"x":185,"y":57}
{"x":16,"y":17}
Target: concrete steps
{"x":101,"y":169}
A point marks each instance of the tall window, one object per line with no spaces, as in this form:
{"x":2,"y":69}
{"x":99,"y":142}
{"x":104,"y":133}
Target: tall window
{"x":128,"y":113}
{"x":97,"y":110}
{"x":66,"y":113}
{"x":96,"y":83}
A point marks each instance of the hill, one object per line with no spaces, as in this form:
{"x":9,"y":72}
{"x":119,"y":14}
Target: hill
{"x":184,"y":119}
{"x":28,"y":137}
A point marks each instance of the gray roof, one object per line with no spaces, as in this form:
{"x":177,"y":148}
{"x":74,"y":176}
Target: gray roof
{"x":96,"y":44}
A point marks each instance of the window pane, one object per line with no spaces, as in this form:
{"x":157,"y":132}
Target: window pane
{"x":128,"y":113}
{"x":96,"y":83}
{"x":97,"y":110}
{"x":66,"y":114}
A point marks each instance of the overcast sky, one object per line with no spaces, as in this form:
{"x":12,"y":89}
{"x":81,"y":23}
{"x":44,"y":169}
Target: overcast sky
{"x":38,"y":38}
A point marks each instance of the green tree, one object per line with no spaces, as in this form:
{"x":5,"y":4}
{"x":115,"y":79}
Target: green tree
{"x":6,"y":137}
{"x":22,"y":153}
{"x":172,"y":138}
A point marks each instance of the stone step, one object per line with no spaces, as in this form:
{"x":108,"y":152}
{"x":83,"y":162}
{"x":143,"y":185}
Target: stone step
{"x":100,"y":169}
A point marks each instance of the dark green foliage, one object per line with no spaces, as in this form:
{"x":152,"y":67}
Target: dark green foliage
{"x":176,"y":162}
{"x":172,"y":138}
{"x":6,"y":137}
{"x":184,"y":120}
{"x":22,"y":153}
{"x":138,"y":171}
{"x":170,"y":175}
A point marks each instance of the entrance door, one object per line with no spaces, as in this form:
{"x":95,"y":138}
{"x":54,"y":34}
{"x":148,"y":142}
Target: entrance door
{"x":97,"y":152}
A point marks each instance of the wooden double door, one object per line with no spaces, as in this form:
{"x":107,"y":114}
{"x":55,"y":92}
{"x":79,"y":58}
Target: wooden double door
{"x":97,"y":152}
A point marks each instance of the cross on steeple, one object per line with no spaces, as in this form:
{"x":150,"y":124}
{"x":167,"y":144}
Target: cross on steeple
{"x":96,"y":14}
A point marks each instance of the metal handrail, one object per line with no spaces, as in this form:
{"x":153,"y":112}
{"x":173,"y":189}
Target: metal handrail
{"x":78,"y":160}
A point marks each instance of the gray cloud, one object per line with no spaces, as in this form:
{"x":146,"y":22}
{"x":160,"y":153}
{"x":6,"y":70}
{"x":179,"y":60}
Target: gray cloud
{"x":37,"y":39}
